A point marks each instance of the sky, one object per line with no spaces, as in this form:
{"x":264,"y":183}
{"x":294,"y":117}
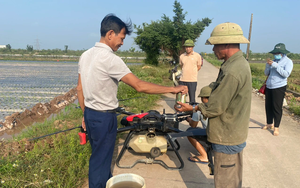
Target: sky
{"x":76,"y":23}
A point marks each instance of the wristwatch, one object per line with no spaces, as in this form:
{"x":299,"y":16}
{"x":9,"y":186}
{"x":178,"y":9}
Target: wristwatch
{"x":194,"y":110}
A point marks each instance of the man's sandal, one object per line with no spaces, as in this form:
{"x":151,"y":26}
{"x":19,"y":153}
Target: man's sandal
{"x":192,"y":159}
{"x":268,"y":126}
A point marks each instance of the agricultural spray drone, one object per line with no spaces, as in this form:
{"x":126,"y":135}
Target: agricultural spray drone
{"x":151,"y":133}
{"x":154,"y":134}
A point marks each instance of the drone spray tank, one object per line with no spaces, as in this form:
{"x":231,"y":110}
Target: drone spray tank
{"x":149,"y":142}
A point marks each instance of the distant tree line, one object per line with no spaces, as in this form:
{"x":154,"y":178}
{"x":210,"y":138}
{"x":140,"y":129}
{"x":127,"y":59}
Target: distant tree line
{"x":132,"y":52}
{"x":257,"y":56}
{"x":30,"y":50}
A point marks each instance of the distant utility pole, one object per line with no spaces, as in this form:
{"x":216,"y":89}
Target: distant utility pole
{"x":248,"y":46}
{"x":37,"y":45}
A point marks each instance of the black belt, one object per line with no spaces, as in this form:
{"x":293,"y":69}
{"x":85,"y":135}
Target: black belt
{"x":104,"y":111}
{"x":107,"y":111}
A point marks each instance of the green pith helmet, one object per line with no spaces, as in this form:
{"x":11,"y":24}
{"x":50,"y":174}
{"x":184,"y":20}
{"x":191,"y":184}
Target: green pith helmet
{"x":227,"y":33}
{"x":279,"y":48}
{"x":205,"y":92}
{"x":189,"y":42}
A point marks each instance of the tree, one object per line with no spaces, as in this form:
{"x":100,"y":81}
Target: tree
{"x":167,"y":36}
{"x":66,"y":48}
{"x":148,"y":40}
{"x":132,"y":50}
{"x":8,"y":47}
{"x":29,"y":48}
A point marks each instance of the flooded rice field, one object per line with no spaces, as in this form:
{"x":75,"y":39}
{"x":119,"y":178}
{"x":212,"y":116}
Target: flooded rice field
{"x":26,"y":83}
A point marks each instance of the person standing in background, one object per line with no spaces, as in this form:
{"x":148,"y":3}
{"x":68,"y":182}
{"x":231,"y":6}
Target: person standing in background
{"x":277,"y":71}
{"x":190,"y":63}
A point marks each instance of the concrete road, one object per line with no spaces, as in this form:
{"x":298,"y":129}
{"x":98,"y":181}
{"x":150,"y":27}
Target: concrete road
{"x":269,"y":161}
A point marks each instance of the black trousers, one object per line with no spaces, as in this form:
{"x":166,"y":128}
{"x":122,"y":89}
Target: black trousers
{"x":192,"y":90}
{"x":273,"y":105}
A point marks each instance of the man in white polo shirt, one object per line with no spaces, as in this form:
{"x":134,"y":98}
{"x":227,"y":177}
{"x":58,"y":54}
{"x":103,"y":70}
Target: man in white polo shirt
{"x":99,"y":72}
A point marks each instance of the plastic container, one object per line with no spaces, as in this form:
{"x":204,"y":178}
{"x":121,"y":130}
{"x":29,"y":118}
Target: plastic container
{"x":127,"y":180}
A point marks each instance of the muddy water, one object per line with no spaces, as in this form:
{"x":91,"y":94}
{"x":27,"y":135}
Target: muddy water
{"x":10,"y":133}
{"x":23,"y":84}
{"x":26,"y":83}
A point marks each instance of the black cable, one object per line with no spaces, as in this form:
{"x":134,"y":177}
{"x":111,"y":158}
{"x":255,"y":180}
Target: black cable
{"x":54,"y":133}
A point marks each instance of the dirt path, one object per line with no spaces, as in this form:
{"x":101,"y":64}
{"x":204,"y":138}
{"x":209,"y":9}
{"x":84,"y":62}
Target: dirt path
{"x":269,"y":161}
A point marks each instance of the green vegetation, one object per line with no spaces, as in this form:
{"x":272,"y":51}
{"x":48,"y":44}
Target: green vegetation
{"x":29,"y":50}
{"x":258,"y":56}
{"x":59,"y":160}
{"x":212,"y":59}
{"x":258,"y":78}
{"x":167,"y":36}
{"x":56,"y":161}
{"x":264,"y":56}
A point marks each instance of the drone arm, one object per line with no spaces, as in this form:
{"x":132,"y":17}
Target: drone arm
{"x":174,"y":129}
{"x":126,"y":129}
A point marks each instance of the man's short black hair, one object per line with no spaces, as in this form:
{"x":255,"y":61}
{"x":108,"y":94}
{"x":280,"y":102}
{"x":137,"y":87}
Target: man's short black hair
{"x":112,"y":22}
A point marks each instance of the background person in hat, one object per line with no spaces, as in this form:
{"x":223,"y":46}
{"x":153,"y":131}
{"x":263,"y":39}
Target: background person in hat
{"x":228,"y":108}
{"x":190,"y":63}
{"x":193,"y":122}
{"x":278,"y":71}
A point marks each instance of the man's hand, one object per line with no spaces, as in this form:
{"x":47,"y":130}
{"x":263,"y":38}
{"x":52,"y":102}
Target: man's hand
{"x":83,"y":124}
{"x":184,"y":107}
{"x":269,"y":61}
{"x":181,"y":88}
{"x":150,"y":88}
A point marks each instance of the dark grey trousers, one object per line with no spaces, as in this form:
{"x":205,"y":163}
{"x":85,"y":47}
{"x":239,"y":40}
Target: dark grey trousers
{"x":192,"y":86}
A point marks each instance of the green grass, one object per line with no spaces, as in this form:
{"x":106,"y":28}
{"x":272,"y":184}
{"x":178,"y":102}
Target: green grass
{"x":59,"y":160}
{"x":258,"y":78}
{"x":257,"y":70}
{"x":213,"y":60}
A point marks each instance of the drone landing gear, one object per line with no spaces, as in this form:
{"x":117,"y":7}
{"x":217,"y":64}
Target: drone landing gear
{"x":155,"y":152}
